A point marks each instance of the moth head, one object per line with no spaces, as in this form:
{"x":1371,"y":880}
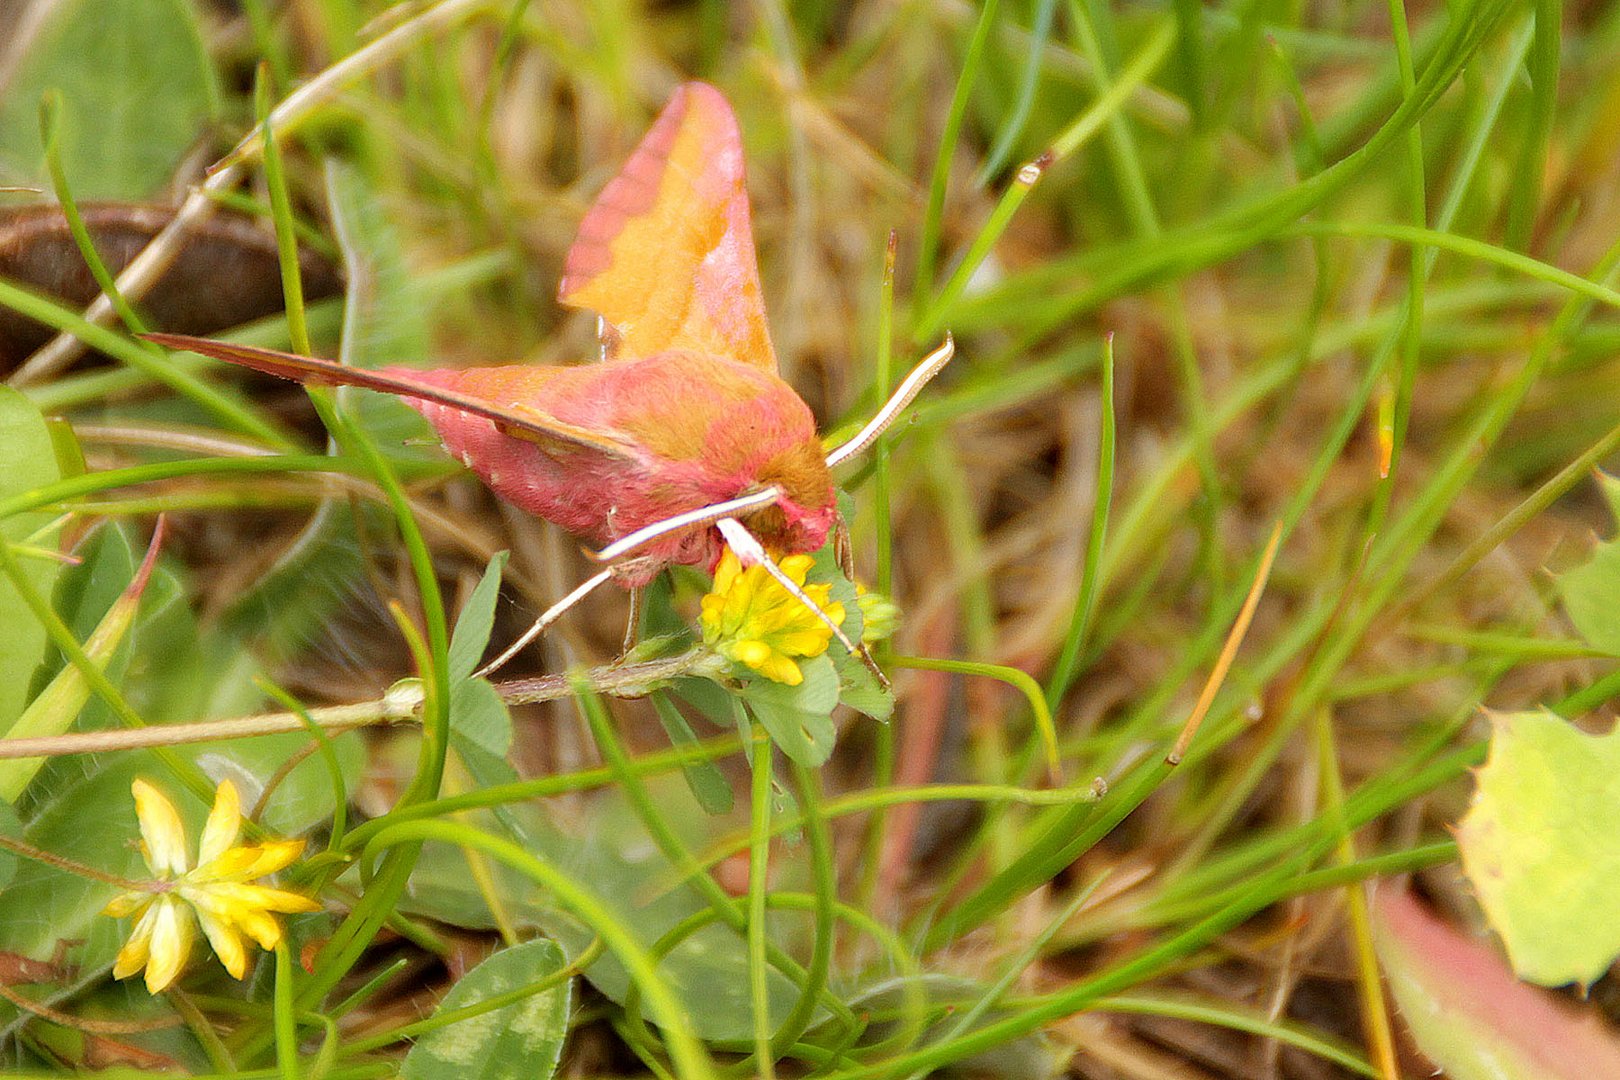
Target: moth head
{"x":804,"y":515}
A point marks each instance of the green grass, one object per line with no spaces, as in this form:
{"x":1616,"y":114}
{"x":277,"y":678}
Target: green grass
{"x":1208,"y":269}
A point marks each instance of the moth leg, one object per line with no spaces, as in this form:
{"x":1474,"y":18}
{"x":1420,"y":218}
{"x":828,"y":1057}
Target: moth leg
{"x":844,"y":551}
{"x":547,"y":617}
{"x":843,"y":548}
{"x":632,"y":627}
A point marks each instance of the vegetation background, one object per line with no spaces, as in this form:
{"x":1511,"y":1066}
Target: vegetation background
{"x":1326,"y":281}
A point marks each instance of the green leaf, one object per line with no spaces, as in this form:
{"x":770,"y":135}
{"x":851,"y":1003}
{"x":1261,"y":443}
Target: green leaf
{"x":477,"y":617}
{"x":481,"y":734}
{"x":88,"y":815}
{"x":304,"y":799}
{"x":712,"y":701}
{"x":479,"y":717}
{"x":520,"y":1041}
{"x":708,"y":784}
{"x":1539,"y":846}
{"x":30,"y":462}
{"x":659,"y":615}
{"x":385,"y":317}
{"x":609,"y":850}
{"x":799,"y":718}
{"x":85,"y":592}
{"x":107,"y":561}
{"x":858,"y":688}
{"x":384,"y":321}
{"x":11,"y":828}
{"x":1592,"y":597}
{"x":184,"y":675}
{"x":137,"y":89}
{"x":708,"y":971}
{"x":288,"y":607}
{"x":55,"y":708}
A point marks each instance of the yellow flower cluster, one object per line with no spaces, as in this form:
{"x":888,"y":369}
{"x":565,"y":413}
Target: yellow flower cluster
{"x":750,"y":618}
{"x":216,"y":892}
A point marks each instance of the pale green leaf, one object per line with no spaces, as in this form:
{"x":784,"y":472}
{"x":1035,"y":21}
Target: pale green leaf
{"x":859,"y":690}
{"x":708,"y":785}
{"x":799,"y":718}
{"x":385,"y":318}
{"x":479,"y":717}
{"x":1540,"y":847}
{"x":520,"y":1041}
{"x":30,"y":462}
{"x":477,"y":616}
{"x":11,"y":829}
{"x":58,"y":705}
{"x":1592,"y":597}
{"x":137,"y":87}
{"x":712,"y":701}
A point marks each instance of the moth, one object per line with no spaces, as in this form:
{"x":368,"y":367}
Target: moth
{"x":683,"y":437}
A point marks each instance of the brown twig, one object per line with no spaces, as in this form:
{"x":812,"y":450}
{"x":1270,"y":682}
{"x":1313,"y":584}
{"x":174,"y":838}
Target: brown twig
{"x":397,"y":706}
{"x":79,"y":1023}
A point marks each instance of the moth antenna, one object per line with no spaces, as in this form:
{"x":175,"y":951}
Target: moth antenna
{"x":750,"y":551}
{"x":547,"y":617}
{"x":703,"y":515}
{"x":931,"y":365}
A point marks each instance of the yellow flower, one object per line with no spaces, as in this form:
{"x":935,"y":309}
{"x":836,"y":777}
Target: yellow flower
{"x":750,"y":618}
{"x":216,"y":892}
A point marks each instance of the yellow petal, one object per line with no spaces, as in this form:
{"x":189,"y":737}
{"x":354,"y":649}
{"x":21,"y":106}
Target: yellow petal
{"x":233,"y":864}
{"x":172,"y":933}
{"x":739,"y":595}
{"x":282,"y":900}
{"x":275,"y":855}
{"x":224,"y":822}
{"x":752,"y":653}
{"x":710,"y":617}
{"x":226,"y":942}
{"x":726,"y":572}
{"x":796,"y":566}
{"x":248,"y":862}
{"x":805,"y":642}
{"x":780,"y":669}
{"x":776,"y":617}
{"x":249,"y":905}
{"x":262,"y":896}
{"x":130,"y":903}
{"x":259,"y":926}
{"x":133,"y":956}
{"x":161,"y":831}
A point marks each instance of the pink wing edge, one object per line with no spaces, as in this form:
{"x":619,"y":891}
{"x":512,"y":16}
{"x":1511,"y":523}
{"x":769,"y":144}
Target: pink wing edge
{"x":634,"y":191}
